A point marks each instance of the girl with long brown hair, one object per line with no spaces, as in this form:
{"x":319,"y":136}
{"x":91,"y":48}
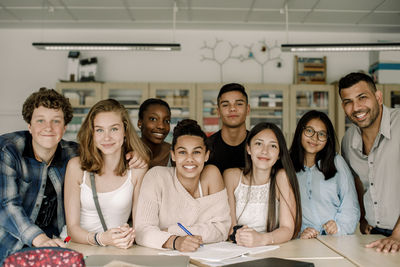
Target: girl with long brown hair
{"x":264,"y":197}
{"x":105,"y":137}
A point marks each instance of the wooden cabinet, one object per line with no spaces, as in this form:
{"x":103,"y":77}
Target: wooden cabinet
{"x":306,"y":97}
{"x":82,"y":96}
{"x":269,"y":103}
{"x":181,"y":99}
{"x":391,"y":97}
{"x":131,"y":95}
{"x":207,"y":114}
{"x":281,"y":104}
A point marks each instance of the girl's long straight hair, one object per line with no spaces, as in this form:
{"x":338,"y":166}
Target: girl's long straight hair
{"x":283,"y":162}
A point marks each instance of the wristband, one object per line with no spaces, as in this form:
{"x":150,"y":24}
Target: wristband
{"x":173,"y":243}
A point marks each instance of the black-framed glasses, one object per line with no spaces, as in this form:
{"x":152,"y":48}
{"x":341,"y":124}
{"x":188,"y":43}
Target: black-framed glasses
{"x":321,"y":135}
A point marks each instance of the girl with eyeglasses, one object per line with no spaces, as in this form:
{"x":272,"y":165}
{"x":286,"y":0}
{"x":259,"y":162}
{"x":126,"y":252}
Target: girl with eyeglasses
{"x":328,"y":195}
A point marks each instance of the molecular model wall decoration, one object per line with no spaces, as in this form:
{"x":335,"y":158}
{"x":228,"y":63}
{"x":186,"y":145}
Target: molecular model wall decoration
{"x":220,"y":52}
{"x":261,"y":53}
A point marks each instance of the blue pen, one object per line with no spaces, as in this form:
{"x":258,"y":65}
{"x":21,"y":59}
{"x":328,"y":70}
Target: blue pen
{"x":186,"y":231}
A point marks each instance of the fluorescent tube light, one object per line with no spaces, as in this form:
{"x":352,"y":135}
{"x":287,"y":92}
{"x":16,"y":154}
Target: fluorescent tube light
{"x":356,"y":47}
{"x":109,"y":46}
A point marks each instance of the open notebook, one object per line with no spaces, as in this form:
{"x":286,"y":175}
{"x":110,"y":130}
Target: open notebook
{"x":220,"y":251}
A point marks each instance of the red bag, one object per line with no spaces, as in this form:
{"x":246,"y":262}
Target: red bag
{"x":45,"y":256}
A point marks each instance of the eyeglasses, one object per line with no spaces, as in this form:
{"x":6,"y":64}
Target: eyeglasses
{"x":321,"y":135}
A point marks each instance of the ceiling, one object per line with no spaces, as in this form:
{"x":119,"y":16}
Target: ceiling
{"x":303,"y":15}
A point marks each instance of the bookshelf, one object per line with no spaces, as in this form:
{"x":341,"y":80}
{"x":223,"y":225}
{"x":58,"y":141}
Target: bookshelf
{"x":269,"y":103}
{"x":310,"y":70}
{"x":181,"y":99}
{"x":207,"y":113}
{"x":306,"y":97}
{"x":82,"y":96}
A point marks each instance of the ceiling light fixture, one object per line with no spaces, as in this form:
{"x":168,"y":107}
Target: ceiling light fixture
{"x":356,"y":47}
{"x":109,"y":46}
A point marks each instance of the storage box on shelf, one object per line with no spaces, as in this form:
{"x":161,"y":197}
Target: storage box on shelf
{"x":310,"y":70}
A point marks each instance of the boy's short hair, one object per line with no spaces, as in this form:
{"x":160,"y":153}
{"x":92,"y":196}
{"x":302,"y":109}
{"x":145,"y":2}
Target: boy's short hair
{"x":230,"y":87}
{"x":48,"y":98}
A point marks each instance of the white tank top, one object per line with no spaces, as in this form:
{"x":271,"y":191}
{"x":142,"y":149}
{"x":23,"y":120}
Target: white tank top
{"x":256,"y":211}
{"x":116,"y":205}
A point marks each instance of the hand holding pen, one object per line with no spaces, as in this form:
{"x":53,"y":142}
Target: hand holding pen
{"x":188,"y":243}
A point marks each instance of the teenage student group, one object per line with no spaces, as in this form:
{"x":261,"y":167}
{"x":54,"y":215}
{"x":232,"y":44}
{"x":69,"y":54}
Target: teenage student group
{"x":238,"y":184}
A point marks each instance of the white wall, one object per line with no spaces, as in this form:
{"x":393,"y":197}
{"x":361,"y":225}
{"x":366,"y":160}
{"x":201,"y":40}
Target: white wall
{"x":24,"y":69}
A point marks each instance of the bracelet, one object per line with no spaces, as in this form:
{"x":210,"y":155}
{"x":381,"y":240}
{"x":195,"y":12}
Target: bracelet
{"x":272,"y":239}
{"x":173,"y":243}
{"x":99,"y":239}
{"x":88,"y":239}
{"x":96,"y":240}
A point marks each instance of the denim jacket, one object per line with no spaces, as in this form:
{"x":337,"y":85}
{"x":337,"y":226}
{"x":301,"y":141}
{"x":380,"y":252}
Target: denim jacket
{"x":22,"y":184}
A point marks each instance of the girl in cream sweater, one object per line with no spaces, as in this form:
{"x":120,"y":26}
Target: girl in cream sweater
{"x":189,"y":193}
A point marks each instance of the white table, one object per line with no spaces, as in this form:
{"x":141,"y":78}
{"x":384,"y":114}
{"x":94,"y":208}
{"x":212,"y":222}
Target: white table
{"x":304,"y":250}
{"x":352,"y":247}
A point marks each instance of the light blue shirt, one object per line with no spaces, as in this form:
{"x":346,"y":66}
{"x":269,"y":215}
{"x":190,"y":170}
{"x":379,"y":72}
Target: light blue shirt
{"x":324,"y":200}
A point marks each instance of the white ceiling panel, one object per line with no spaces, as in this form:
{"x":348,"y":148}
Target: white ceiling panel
{"x":302,"y":4}
{"x":245,"y":4}
{"x":304,"y":15}
{"x":153,"y":3}
{"x":390,"y":5}
{"x":219,"y":15}
{"x":274,"y":4}
{"x":156,"y":15}
{"x":91,"y":14}
{"x":90,"y":3}
{"x":267,"y":16}
{"x":390,"y":19}
{"x":364,"y":5}
{"x":5,"y":15}
{"x":21,"y":3}
{"x":333,"y":18}
{"x":39,"y":14}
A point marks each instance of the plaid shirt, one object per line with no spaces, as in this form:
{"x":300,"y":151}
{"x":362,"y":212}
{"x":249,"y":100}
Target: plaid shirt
{"x":22,"y":185}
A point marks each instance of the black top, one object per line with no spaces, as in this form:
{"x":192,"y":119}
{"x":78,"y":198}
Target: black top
{"x":225,"y":156}
{"x":47,"y":216}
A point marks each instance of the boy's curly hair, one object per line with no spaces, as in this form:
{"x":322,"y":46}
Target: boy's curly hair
{"x":48,"y":98}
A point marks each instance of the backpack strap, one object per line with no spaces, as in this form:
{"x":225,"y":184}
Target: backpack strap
{"x":96,"y":202}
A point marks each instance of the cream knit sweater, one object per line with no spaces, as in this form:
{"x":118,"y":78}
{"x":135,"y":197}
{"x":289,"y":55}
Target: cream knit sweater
{"x":163,"y":202}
